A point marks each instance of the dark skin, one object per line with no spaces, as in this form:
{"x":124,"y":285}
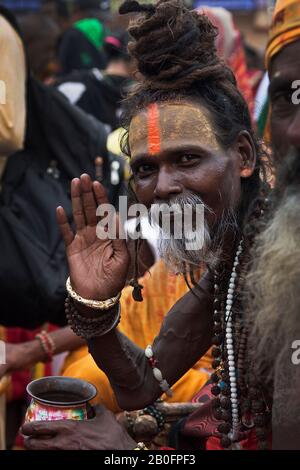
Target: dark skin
{"x":285,"y":127}
{"x":78,"y":435}
{"x":190,"y":160}
{"x":98,"y":268}
{"x":285,"y":117}
{"x":24,"y":355}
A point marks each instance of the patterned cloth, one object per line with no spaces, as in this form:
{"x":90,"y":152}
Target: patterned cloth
{"x":285,"y":27}
{"x":231,"y":50}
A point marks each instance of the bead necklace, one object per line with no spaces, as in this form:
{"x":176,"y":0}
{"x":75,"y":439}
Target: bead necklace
{"x":239,"y":402}
{"x":230,"y":348}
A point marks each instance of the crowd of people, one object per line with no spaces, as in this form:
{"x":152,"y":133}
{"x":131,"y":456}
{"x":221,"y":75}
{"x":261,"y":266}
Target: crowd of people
{"x":165,"y":112}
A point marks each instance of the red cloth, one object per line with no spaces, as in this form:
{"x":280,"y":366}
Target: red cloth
{"x":20,"y":379}
{"x":201,"y":425}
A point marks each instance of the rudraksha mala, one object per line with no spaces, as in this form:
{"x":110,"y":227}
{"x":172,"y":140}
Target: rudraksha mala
{"x":244,"y":395}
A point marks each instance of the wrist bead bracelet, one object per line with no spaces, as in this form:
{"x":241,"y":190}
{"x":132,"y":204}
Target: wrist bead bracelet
{"x":88,"y":328}
{"x":47,"y":344}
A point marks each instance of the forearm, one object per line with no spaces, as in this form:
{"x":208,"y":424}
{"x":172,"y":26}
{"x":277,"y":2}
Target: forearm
{"x":185,"y":336}
{"x":32,"y":352}
{"x":65,"y":340}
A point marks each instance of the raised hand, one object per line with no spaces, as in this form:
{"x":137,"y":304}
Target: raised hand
{"x":98,"y":268}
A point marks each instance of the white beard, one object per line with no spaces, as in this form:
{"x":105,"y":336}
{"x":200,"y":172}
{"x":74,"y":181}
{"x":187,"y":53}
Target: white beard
{"x":174,"y":250}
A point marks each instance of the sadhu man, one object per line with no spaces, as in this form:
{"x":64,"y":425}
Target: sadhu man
{"x":190,"y":141}
{"x":283,"y":62}
{"x":275,"y":276}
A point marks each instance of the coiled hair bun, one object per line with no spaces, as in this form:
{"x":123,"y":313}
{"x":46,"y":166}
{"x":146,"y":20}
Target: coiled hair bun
{"x":175,"y":52}
{"x":174,"y":47}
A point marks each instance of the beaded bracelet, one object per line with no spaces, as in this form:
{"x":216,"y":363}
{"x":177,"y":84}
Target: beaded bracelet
{"x":88,"y":328}
{"x":47,"y":344}
{"x":152,"y":410}
{"x":156,"y":372}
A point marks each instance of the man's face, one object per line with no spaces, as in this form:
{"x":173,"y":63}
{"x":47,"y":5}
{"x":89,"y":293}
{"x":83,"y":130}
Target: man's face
{"x":176,"y":159}
{"x":285,"y":117}
{"x":174,"y":152}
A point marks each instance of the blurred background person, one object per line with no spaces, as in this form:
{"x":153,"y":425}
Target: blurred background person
{"x":81,"y":45}
{"x":59,"y":11}
{"x":100,"y":92}
{"x":40,"y":35}
{"x":12,"y":92}
{"x":231,"y":49}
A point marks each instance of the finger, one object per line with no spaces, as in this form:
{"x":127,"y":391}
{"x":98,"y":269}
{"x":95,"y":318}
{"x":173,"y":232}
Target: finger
{"x":88,"y":199}
{"x":32,"y":443}
{"x":40,"y":428}
{"x":64,"y":226}
{"x":101,"y":199}
{"x":99,"y":410}
{"x":78,"y":213}
{"x":100,"y":193}
{"x":119,"y":244}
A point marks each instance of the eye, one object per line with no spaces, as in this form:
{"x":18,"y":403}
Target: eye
{"x":187,"y":158}
{"x":282,"y":98}
{"x":143,"y":169}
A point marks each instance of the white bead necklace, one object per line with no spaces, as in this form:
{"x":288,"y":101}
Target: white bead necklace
{"x":230,"y":349}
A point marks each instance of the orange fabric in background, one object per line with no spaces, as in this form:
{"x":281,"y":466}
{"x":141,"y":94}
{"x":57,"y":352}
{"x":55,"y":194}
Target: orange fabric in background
{"x":285,"y":27}
{"x":141,"y":322}
{"x":231,"y":50}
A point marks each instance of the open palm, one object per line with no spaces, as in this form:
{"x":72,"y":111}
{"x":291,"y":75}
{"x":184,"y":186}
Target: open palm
{"x":98,"y":268}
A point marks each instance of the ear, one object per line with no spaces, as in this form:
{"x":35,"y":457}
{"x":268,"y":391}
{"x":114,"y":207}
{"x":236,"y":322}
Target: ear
{"x":247,"y":153}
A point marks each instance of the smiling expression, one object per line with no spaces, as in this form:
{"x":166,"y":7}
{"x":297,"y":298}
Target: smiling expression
{"x":174,"y":150}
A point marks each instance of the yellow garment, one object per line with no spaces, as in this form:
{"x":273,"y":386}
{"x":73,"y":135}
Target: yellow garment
{"x":12,"y":90}
{"x":141,"y":322}
{"x":285,"y":27}
{"x":113,"y":145}
{"x":114,"y":141}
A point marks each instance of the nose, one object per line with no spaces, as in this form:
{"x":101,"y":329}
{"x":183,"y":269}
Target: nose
{"x":167,"y":185}
{"x":293,"y":134}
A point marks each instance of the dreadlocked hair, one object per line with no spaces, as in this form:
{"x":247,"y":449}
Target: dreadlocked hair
{"x":174,"y":50}
{"x":176,"y":56}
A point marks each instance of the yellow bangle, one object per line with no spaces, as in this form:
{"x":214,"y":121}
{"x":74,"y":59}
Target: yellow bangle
{"x":141,"y":446}
{"x":95,"y":304}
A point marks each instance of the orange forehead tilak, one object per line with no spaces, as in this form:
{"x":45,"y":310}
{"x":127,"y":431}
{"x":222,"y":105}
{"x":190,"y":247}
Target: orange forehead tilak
{"x":153,"y":129}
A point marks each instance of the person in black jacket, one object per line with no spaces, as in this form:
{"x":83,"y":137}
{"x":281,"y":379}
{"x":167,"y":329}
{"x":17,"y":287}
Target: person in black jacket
{"x":61,"y":142}
{"x":98,"y":92}
{"x":81,"y":44}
